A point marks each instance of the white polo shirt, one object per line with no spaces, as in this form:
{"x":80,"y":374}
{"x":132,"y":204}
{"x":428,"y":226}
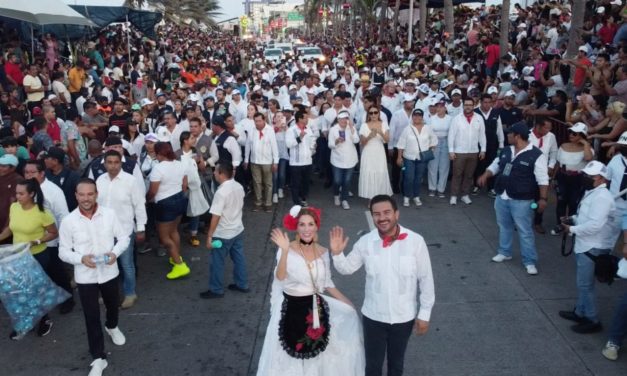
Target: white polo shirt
{"x":228,"y":203}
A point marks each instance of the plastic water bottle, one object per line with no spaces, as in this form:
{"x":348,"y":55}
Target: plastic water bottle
{"x":216,"y":243}
{"x":101,"y":259}
{"x":534,"y":205}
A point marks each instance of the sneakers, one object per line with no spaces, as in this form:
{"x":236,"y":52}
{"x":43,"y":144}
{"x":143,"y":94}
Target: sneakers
{"x":406,"y":202}
{"x":492,"y":193}
{"x":453,"y":200}
{"x":466,"y":200}
{"x":275,"y":198}
{"x":587,"y":327}
{"x":128,"y":301}
{"x":256,"y":208}
{"x":178,"y":271}
{"x":572,"y":316}
{"x":475,"y":191}
{"x":145,"y":249}
{"x":557,"y":230}
{"x":44,"y":327}
{"x":441,"y":195}
{"x":97,"y":366}
{"x":431,"y":193}
{"x":235,"y":287}
{"x":161,"y":252}
{"x":16,"y":337}
{"x":281,"y":193}
{"x":417,"y":201}
{"x":116,"y":336}
{"x":610,"y":351}
{"x":345,"y":205}
{"x":500,"y":258}
{"x":194,"y":241}
{"x":210,"y":295}
{"x":268,"y":209}
{"x":531,"y":270}
{"x":336,"y":200}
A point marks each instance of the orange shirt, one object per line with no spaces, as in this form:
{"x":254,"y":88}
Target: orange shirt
{"x":76,"y":77}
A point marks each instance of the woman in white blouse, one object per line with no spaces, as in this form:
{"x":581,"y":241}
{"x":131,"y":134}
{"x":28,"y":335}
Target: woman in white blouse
{"x":439,"y":167}
{"x":414,"y":140}
{"x":342,"y":139}
{"x":572,"y":157}
{"x":313,"y":328}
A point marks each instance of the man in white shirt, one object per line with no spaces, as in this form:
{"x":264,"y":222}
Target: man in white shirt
{"x":170,"y":130}
{"x":466,"y":145}
{"x":342,"y":139}
{"x":54,"y":201}
{"x":226,"y":233}
{"x":33,"y":87}
{"x":263,"y":154}
{"x":397,"y":262}
{"x":596,"y":235}
{"x":301,"y":143}
{"x":119,"y":191}
{"x":91,"y":238}
{"x":455,"y":107}
{"x":238,"y":107}
{"x":400,"y":120}
{"x":542,"y":138}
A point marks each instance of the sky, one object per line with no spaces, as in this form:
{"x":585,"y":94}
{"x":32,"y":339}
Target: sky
{"x":235,"y":8}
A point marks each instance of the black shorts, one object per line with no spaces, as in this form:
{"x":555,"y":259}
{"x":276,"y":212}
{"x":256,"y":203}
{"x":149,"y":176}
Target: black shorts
{"x":171,"y":207}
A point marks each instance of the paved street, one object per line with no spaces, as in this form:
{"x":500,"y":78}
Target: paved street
{"x":489,"y":319}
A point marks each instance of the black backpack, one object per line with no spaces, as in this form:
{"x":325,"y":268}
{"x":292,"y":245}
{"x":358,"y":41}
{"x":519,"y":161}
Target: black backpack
{"x":605,"y":267}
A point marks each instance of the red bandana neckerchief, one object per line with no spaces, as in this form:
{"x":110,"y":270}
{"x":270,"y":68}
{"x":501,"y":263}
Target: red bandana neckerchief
{"x":540,"y":138}
{"x":388,"y":240}
{"x":260,"y":133}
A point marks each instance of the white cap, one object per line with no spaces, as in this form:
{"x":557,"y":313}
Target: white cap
{"x":145,"y":102}
{"x":433,"y":101}
{"x":622,"y":140}
{"x":262,"y":66}
{"x":235,"y":92}
{"x":594,"y":168}
{"x":411,"y":81}
{"x":408,"y":97}
{"x":293,"y":87}
{"x":583,"y":49}
{"x":397,"y":70}
{"x":579,"y":128}
{"x":343,"y":115}
{"x":51,"y":97}
{"x":510,"y":93}
{"x":527,"y":70}
{"x":522,"y":26}
{"x":114,"y":128}
{"x":193,"y":97}
{"x":456,"y":91}
{"x":445,"y":83}
{"x":601,"y":10}
{"x":493,"y":90}
{"x":448,"y":63}
{"x":256,"y":87}
{"x":424,"y":88}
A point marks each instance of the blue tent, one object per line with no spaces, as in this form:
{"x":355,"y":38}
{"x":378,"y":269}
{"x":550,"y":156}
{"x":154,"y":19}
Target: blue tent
{"x":102,"y":16}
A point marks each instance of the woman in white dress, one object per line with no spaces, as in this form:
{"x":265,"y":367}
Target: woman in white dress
{"x":373,"y":169}
{"x":309,"y":334}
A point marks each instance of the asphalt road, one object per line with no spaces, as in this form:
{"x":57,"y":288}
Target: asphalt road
{"x":489,"y":319}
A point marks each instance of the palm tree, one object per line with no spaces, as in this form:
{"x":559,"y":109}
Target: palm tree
{"x":201,"y":11}
{"x":397,"y":10}
{"x":383,"y":20}
{"x":449,"y":21}
{"x":574,"y":36}
{"x":423,"y":20}
{"x":504,"y":37}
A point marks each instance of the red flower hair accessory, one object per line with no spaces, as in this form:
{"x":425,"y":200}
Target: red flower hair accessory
{"x":290,"y":220}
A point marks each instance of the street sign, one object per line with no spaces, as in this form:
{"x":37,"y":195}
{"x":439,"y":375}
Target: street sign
{"x":295,"y":16}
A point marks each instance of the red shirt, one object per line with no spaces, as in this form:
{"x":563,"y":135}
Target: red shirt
{"x":607,"y":32}
{"x":493,"y":53}
{"x":54,"y":131}
{"x":14,"y":71}
{"x":580,"y":73}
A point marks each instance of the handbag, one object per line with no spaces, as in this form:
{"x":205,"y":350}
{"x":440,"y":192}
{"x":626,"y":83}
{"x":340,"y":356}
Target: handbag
{"x":425,"y":156}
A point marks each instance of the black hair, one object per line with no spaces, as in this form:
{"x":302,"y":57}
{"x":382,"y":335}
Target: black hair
{"x":225,"y":168}
{"x":32,"y":186}
{"x":9,"y":141}
{"x":87,"y":181}
{"x":185,"y":135}
{"x":383,"y":198}
{"x":39,"y":163}
{"x":110,"y":153}
{"x":259,"y":114}
{"x":299,"y":115}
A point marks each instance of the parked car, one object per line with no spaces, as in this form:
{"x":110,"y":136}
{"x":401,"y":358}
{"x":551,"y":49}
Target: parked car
{"x":311,"y":52}
{"x":273,"y":54}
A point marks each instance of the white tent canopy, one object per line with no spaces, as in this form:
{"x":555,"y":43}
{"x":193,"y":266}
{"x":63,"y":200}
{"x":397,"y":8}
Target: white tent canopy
{"x":42,"y":12}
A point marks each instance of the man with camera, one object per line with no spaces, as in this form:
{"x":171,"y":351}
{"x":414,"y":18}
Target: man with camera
{"x":596,"y":235}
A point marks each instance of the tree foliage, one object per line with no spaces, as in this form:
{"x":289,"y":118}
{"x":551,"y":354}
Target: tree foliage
{"x":201,"y":11}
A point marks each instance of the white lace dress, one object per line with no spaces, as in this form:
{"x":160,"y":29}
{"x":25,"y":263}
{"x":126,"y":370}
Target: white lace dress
{"x":344,"y":354}
{"x":373,"y":169}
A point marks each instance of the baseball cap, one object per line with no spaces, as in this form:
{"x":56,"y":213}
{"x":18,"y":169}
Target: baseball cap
{"x":146,"y":102}
{"x":236,"y":92}
{"x":424,"y":88}
{"x":594,"y":168}
{"x":343,"y":115}
{"x":9,"y":160}
{"x":160,"y":94}
{"x":527,"y":70}
{"x":493,"y":90}
{"x":136,"y":107}
{"x":56,"y":153}
{"x":114,"y":129}
{"x":51,"y":97}
{"x":456,"y":92}
{"x":522,"y":26}
{"x":417,"y":111}
{"x":445,"y":83}
{"x":622,"y":140}
{"x":583,"y":49}
{"x":580,"y":128}
{"x":151,"y":137}
{"x":520,"y":128}
{"x":408,"y":97}
{"x":510,"y":93}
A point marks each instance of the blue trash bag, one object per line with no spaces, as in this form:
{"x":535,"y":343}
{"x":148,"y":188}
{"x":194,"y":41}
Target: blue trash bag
{"x":26,"y":291}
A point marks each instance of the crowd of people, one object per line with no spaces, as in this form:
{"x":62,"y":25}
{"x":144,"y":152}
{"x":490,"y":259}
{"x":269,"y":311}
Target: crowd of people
{"x":126,"y":143}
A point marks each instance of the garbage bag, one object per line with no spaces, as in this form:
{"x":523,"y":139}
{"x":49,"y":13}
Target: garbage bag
{"x":26,"y":291}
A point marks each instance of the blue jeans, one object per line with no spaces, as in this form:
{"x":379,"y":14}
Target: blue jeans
{"x":439,"y":167}
{"x":127,"y":266}
{"x":413,"y":171}
{"x":618,"y":330}
{"x":279,"y":177}
{"x":342,"y":179}
{"x":510,"y":213}
{"x":586,"y":307}
{"x":235,"y":249}
{"x":194,"y":223}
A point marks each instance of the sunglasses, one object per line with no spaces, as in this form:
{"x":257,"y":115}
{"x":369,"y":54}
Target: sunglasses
{"x":373,"y":112}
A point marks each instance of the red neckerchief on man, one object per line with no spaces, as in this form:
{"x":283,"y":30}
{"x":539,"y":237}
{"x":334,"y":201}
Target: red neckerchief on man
{"x":539,"y":138}
{"x":388,"y":240}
